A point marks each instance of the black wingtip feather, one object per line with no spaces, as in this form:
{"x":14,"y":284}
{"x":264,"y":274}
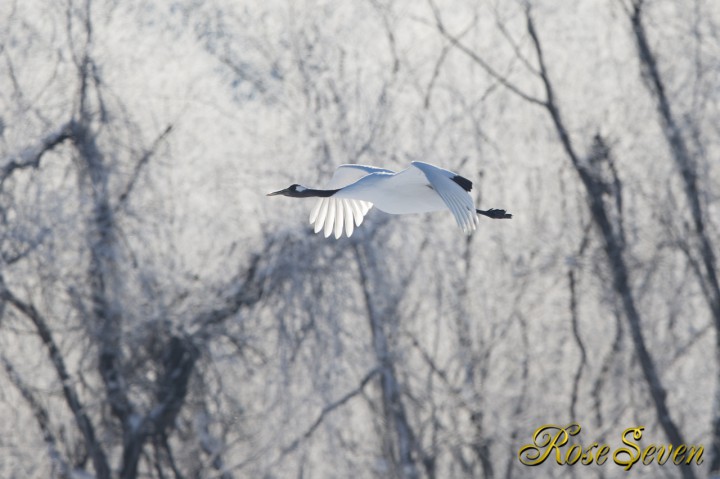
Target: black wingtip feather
{"x":463,"y":182}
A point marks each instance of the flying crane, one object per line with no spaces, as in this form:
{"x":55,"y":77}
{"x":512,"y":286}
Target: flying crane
{"x":420,"y":188}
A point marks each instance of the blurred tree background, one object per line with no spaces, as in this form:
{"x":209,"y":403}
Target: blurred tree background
{"x":161,"y":318}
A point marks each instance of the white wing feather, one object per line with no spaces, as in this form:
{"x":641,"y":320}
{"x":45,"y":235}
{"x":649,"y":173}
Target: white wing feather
{"x":333,"y":215}
{"x":455,"y":197}
{"x":348,"y":174}
{"x":330,"y":218}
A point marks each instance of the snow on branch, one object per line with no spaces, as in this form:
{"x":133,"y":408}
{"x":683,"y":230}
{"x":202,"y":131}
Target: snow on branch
{"x":144,"y":159}
{"x":330,"y":408}
{"x":41,"y":416}
{"x":72,"y":398}
{"x":30,"y":157}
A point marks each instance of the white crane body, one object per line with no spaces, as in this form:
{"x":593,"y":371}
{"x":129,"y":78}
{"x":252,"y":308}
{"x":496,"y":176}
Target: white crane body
{"x":420,"y":188}
{"x":394,"y":194}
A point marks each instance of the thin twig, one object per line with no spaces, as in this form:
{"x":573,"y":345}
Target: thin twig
{"x":477,"y":59}
{"x":30,"y":157}
{"x":328,"y":409}
{"x":144,"y":159}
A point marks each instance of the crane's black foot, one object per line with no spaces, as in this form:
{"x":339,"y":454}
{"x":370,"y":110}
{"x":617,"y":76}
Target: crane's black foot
{"x":495,"y":214}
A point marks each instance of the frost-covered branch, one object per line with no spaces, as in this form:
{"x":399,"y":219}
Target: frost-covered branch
{"x":144,"y":160}
{"x":613,"y":246}
{"x":393,"y":407}
{"x":249,"y":290}
{"x":42,"y":418}
{"x":687,"y":165}
{"x":100,"y":463}
{"x":178,"y":365}
{"x":329,"y":409}
{"x":30,"y":156}
{"x":502,"y":79}
{"x":572,"y":281}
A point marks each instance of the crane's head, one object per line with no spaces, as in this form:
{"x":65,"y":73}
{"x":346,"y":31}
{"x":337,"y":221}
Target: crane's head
{"x":292,"y":190}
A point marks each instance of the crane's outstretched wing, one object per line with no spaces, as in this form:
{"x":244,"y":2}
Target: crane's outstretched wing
{"x":453,"y":189}
{"x":348,"y":174}
{"x":335,"y":214}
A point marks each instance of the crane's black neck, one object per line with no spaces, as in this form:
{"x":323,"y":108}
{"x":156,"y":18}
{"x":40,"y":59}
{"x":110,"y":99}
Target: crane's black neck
{"x":311,"y":193}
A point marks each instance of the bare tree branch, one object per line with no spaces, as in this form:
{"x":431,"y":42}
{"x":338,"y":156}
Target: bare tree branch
{"x":102,"y":468}
{"x":687,"y":165}
{"x":393,"y":407}
{"x":329,"y":409}
{"x":438,"y":66}
{"x":381,"y":10}
{"x":178,"y":365}
{"x":144,"y":159}
{"x":574,"y":318}
{"x":477,"y":59}
{"x":579,"y":341}
{"x":521,"y":400}
{"x":614,"y":251}
{"x":247,"y":293}
{"x":604,"y":373}
{"x":30,"y":157}
{"x":41,"y":416}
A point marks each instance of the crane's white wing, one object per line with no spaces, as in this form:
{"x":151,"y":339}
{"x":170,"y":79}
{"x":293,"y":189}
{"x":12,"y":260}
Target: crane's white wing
{"x":333,"y":215}
{"x":348,"y":174}
{"x":455,"y":197}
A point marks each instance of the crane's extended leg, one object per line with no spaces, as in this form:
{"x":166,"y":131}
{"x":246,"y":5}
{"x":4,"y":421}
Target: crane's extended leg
{"x":495,"y":213}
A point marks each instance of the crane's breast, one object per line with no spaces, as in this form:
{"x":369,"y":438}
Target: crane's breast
{"x":395,"y":195}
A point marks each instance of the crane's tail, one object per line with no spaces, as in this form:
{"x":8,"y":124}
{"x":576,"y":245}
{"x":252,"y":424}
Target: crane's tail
{"x":495,"y":213}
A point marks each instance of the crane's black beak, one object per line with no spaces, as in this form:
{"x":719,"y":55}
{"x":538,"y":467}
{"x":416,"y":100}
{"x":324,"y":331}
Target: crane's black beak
{"x":281,"y":192}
